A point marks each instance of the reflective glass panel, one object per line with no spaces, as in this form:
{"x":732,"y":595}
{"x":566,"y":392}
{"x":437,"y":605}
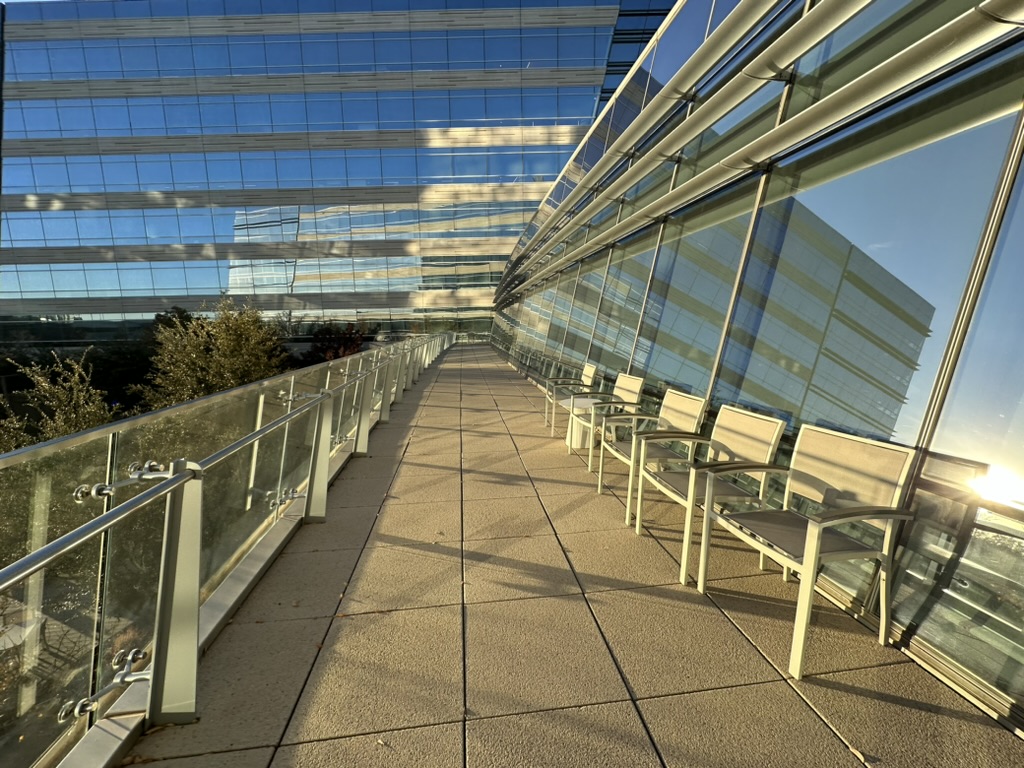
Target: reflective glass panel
{"x":694,"y":275}
{"x":846,"y":304}
{"x":623,"y":300}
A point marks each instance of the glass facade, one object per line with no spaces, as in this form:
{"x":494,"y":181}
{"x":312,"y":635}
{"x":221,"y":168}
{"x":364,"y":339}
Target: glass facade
{"x":826,"y":228}
{"x":371,"y":160}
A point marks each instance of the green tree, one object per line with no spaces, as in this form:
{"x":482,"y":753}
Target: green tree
{"x":197,"y":355}
{"x":59,"y":401}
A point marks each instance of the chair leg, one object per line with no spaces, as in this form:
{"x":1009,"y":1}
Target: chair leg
{"x":762,"y":562}
{"x":630,"y":489}
{"x":639,"y":498}
{"x":805,"y":600}
{"x":590,"y":444}
{"x":600,"y":467}
{"x":684,"y":554}
{"x":705,"y":548}
{"x":884,"y":599}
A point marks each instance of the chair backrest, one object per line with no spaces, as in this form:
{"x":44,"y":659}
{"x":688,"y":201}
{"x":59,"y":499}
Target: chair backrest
{"x":681,"y":411}
{"x":741,"y":435}
{"x":627,"y":388}
{"x":835,"y":469}
{"x":588,"y":375}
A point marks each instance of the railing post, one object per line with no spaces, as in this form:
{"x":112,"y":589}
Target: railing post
{"x":320,"y":466}
{"x":172,"y":687}
{"x":399,"y":375}
{"x":385,"y":399}
{"x":365,"y":410}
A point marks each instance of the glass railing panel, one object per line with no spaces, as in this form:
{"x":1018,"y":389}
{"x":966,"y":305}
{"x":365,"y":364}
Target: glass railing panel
{"x":37,"y":496}
{"x":47,"y":623}
{"x":295,"y":459}
{"x":130,"y":582}
{"x":240,"y":496}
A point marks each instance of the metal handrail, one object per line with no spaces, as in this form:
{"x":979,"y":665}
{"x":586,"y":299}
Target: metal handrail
{"x":21,"y":569}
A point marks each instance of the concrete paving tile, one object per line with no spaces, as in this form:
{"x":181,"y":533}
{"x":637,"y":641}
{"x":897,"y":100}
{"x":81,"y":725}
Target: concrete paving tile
{"x":487,"y":444}
{"x":433,"y":462}
{"x":432,"y":445}
{"x":582,"y":512}
{"x":502,"y":517}
{"x":507,"y":569}
{"x":352,"y":490}
{"x":764,"y":607}
{"x":383,"y":671}
{"x":243,"y":704}
{"x":379,"y":447}
{"x":415,"y":523}
{"x":606,"y":734}
{"x":498,"y":488}
{"x":536,"y":460}
{"x":618,"y":559}
{"x":729,"y":559}
{"x":412,"y":488}
{"x":902,"y":716}
{"x":484,"y":460}
{"x":246,"y":758}
{"x":343,"y":528}
{"x":509,"y":469}
{"x":766,"y":725}
{"x":670,"y":640}
{"x":300,"y":586}
{"x":410,"y":576}
{"x":434,"y":746}
{"x":528,"y":655}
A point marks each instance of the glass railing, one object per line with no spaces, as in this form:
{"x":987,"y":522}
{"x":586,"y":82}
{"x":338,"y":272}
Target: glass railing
{"x":113,"y":545}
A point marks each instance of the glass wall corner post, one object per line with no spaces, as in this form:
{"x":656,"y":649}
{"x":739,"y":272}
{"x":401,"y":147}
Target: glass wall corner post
{"x":172,"y":687}
{"x":365,"y":412}
{"x":320,"y":465}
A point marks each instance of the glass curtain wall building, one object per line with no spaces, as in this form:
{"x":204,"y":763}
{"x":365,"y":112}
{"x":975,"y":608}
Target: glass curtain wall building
{"x":816,"y":210}
{"x":350,"y":160}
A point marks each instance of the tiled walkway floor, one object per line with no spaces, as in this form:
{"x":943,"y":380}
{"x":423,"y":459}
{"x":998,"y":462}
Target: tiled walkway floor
{"x":472,"y":601}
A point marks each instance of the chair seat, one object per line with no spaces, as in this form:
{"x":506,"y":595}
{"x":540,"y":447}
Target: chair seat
{"x":678,"y":483}
{"x":786,"y":531}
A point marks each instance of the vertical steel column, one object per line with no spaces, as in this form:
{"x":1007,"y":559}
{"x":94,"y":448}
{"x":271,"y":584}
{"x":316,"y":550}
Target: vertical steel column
{"x":365,"y":410}
{"x":172,"y":687}
{"x":320,"y":466}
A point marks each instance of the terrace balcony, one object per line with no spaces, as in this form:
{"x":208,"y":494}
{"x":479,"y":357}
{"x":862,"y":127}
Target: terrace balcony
{"x":471,"y":600}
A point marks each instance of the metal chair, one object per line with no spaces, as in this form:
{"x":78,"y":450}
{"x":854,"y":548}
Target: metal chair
{"x":738,"y":435}
{"x":568,"y":386}
{"x":620,"y":433}
{"x":834,"y":479}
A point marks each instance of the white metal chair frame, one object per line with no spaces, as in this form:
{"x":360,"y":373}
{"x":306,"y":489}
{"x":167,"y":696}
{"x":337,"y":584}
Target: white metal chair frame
{"x":802,"y":543}
{"x":624,"y":398}
{"x":738,"y":436}
{"x":679,"y":411}
{"x":569,"y":385}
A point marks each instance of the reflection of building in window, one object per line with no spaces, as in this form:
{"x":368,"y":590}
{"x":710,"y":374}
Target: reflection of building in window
{"x":822,"y":331}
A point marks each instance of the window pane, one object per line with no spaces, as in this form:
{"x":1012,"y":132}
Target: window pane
{"x":693,"y":282}
{"x":845,"y":308}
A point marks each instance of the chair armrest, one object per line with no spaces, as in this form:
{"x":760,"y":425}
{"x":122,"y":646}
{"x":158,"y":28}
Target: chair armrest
{"x":600,"y":396}
{"x":657,"y":435}
{"x":563,"y":381}
{"x":628,"y":417}
{"x":613,"y":403}
{"x":732,"y":467}
{"x":853,"y":514}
